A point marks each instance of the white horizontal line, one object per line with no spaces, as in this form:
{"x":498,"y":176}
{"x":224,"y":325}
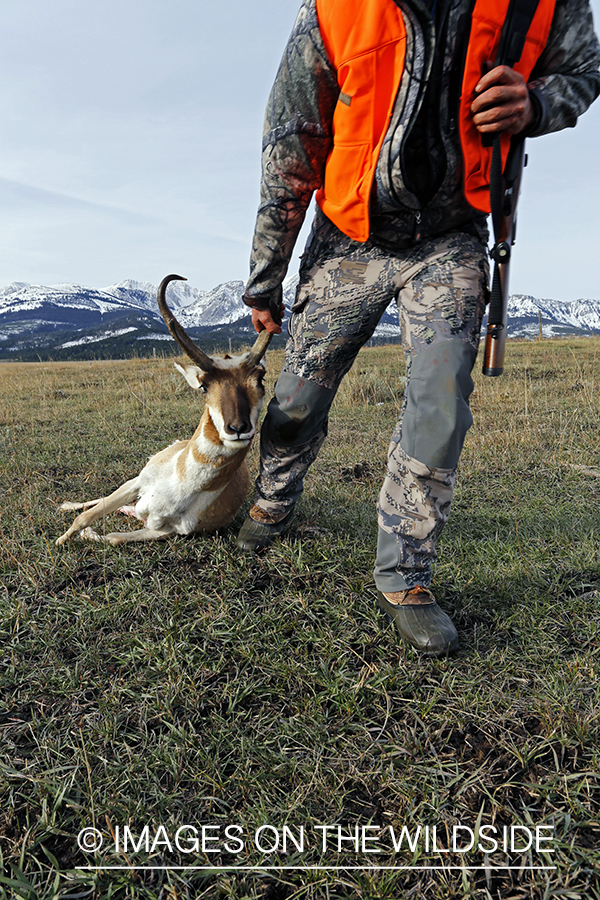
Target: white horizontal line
{"x":321,"y":868}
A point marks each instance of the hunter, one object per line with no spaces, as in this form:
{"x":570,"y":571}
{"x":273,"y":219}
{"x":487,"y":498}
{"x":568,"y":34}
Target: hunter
{"x":385,"y":109}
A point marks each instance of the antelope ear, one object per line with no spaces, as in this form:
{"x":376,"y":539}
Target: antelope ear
{"x":192,"y":375}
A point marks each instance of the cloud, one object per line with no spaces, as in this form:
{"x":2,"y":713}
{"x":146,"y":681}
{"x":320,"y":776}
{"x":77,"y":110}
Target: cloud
{"x":16,"y":196}
{"x":131,"y":135}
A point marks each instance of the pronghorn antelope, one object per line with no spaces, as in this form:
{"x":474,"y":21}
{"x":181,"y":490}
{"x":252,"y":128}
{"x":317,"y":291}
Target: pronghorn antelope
{"x":200,"y":484}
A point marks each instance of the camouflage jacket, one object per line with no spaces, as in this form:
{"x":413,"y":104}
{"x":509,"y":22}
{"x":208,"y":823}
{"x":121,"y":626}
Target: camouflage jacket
{"x":419,"y":172}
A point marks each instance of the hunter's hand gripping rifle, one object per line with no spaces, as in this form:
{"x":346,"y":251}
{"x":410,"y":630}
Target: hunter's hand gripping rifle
{"x":504,"y":193}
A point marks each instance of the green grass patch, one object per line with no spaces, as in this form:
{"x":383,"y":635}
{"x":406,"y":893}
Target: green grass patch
{"x":180,"y":683}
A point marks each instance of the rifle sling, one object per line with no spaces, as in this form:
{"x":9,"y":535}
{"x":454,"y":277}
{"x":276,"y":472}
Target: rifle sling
{"x":512,"y":40}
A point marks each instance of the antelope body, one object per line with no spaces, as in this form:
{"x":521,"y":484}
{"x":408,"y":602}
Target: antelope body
{"x":200,"y":484}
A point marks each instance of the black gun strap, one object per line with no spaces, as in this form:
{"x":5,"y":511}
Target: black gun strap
{"x":518,"y":20}
{"x":496,"y":311}
{"x":496,"y":185}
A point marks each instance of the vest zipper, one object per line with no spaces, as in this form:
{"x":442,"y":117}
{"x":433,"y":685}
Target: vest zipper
{"x":417,"y":228}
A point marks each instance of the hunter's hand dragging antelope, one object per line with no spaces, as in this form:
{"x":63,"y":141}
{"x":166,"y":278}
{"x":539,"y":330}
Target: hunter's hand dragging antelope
{"x":200,"y":484}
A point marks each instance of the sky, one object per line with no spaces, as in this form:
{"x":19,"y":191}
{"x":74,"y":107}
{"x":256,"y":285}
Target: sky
{"x":130,"y":148}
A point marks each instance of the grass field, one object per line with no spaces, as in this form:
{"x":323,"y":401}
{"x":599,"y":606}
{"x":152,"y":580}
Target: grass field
{"x":182,"y":684}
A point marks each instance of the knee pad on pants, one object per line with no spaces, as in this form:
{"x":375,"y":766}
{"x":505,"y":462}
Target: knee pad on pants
{"x":298,"y":411}
{"x":437,"y":415}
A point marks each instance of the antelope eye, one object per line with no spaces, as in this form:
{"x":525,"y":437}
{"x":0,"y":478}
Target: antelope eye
{"x":203,"y":388}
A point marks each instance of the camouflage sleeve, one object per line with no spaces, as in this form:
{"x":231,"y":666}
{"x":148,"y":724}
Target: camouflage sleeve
{"x":566,"y":80}
{"x":297,"y":138}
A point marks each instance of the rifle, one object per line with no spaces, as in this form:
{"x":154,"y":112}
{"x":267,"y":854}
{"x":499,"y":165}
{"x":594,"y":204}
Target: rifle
{"x":504,"y":190}
{"x":504,"y":193}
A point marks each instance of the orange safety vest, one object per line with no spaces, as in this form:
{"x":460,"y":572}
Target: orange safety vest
{"x":366,"y":42}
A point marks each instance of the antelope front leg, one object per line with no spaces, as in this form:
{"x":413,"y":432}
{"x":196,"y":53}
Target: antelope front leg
{"x":69,"y":505}
{"x":124,"y":494}
{"x":125,"y":537}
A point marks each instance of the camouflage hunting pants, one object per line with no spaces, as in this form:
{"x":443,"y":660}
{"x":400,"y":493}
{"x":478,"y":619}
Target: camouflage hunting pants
{"x":440,"y":286}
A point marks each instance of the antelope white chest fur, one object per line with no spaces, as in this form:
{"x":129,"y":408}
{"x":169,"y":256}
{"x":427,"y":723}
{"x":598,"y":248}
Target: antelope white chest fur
{"x":200,"y":484}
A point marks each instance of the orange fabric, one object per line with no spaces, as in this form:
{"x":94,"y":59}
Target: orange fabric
{"x":488,"y":19}
{"x":366,"y":42}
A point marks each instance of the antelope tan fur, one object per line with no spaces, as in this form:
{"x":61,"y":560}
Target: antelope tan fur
{"x":200,"y":484}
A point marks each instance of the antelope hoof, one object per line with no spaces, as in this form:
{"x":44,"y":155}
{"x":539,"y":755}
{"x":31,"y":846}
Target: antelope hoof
{"x":88,"y":534}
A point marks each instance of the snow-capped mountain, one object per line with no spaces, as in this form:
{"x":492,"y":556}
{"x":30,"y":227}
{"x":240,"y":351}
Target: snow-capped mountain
{"x":143,"y":294}
{"x":221,"y":306}
{"x":576,"y":316}
{"x":74,"y":321}
{"x":20,"y":298}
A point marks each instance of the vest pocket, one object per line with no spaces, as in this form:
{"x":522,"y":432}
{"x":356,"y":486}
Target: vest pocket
{"x":353,"y":115}
{"x":344,"y":171}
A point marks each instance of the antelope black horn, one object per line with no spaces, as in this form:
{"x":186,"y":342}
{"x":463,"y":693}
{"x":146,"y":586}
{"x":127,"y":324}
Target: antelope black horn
{"x":177,"y":332}
{"x":260,"y":348}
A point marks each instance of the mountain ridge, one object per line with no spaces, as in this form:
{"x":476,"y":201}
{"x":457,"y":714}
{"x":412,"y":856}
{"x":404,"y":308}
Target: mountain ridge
{"x":75,"y":321}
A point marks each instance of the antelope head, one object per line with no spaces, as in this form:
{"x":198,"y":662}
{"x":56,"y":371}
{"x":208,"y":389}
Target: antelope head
{"x":233,"y":385}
